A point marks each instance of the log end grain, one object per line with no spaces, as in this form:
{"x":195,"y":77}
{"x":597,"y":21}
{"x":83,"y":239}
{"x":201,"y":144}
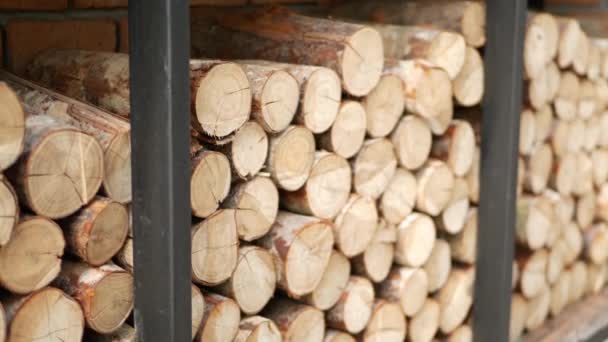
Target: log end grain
{"x":117,"y":168}
{"x":362,"y":61}
{"x":320,"y":101}
{"x":399,"y":198}
{"x":291,"y":157}
{"x":535,"y":50}
{"x":258,"y":329}
{"x":538,"y":309}
{"x":456,"y":299}
{"x":354,"y":309}
{"x":519,"y":314}
{"x":12,"y":127}
{"x":473,"y":24}
{"x":335,"y":278}
{"x":374,"y":167}
{"x":221,"y":319}
{"x":425,"y":323}
{"x":209,"y":183}
{"x":256,"y":203}
{"x":384,"y":106}
{"x":337,"y":336}
{"x":415,"y":239}
{"x":408,"y":286}
{"x":469,"y":85}
{"x":447,"y":51}
{"x":387,"y":323}
{"x":355,"y":225}
{"x":249,"y":150}
{"x":279,"y":101}
{"x":412,"y":140}
{"x":296,"y":322}
{"x":438,"y":265}
{"x":112,"y":302}
{"x":9,"y":210}
{"x":198,"y":308}
{"x":568,"y":41}
{"x":435,"y":184}
{"x":346,"y":135}
{"x":107,"y":233}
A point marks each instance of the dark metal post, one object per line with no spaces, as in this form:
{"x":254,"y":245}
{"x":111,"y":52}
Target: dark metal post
{"x":159,"y":39}
{"x":499,"y":148}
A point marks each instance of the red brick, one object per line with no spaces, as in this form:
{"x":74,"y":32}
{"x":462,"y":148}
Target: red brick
{"x":99,"y":3}
{"x":26,"y":38}
{"x":124,"y":35}
{"x":39,"y":5}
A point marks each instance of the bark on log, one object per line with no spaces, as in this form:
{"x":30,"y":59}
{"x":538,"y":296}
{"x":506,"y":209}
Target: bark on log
{"x":12,"y":129}
{"x":456,"y":147}
{"x":60,"y":170}
{"x":105,"y":293}
{"x":538,"y":309}
{"x":209,"y":182}
{"x":334,"y":280}
{"x":519,"y":314}
{"x":415,"y":239}
{"x":469,"y":84}
{"x":258,"y":329}
{"x":45,"y":315}
{"x":301,"y":246}
{"x":566,"y":101}
{"x":355,"y":225}
{"x":535,"y":217}
{"x":9,"y":210}
{"x":253,"y":280}
{"x":412,"y":140}
{"x":353,"y":51}
{"x":538,"y":169}
{"x":399,"y":198}
{"x":346,"y":135}
{"x":533,"y":266}
{"x":98,"y":231}
{"x":384,"y":105}
{"x":354,"y":308}
{"x":32,"y":257}
{"x":408,"y":286}
{"x":455,"y":299}
{"x":113,"y":133}
{"x":376,"y":260}
{"x":439,"y":265}
{"x":596,"y":243}
{"x":291,"y":157}
{"x":374,"y":167}
{"x":386,"y":324}
{"x":424,"y":325}
{"x":569,"y":33}
{"x":435,"y":183}
{"x":297,"y":322}
{"x":454,"y":215}
{"x":220,"y":320}
{"x":214,"y":248}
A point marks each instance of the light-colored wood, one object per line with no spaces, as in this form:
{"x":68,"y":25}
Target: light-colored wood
{"x":538,"y":309}
{"x":463,"y":333}
{"x":375,"y":262}
{"x":408,"y":286}
{"x":125,"y":333}
{"x":214,"y":248}
{"x":220,"y":319}
{"x":412,"y":140}
{"x":581,"y":56}
{"x":374,"y":167}
{"x":455,"y":299}
{"x":291,"y":157}
{"x":60,"y":170}
{"x":585,"y":210}
{"x":599,"y":159}
{"x":346,"y":135}
{"x":538,"y":90}
{"x":559,"y":294}
{"x":538,"y":168}
{"x":337,"y":336}
{"x":297,"y":322}
{"x":435,"y":183}
{"x":256,"y":204}
{"x":12,"y":129}
{"x":258,"y":329}
{"x":399,"y":198}
{"x":534,"y":219}
{"x":386,"y":324}
{"x":326,"y":190}
{"x":564,"y":173}
{"x":601,"y":95}
{"x":540,"y":43}
{"x":98,"y":231}
{"x":472,"y":177}
{"x":46,"y":315}
{"x":555,"y":265}
{"x":354,"y":308}
{"x":583,"y":184}
{"x":578,"y":281}
{"x":355,"y":225}
{"x":569,"y":33}
{"x":253,"y":280}
{"x":566,"y":101}
{"x":32,"y":257}
{"x":384,"y":106}
{"x":456,"y":147}
{"x":571,"y":243}
{"x":439,"y":265}
{"x":596,"y":243}
{"x":594,"y":62}
{"x":533,"y":266}
{"x":209,"y":182}
{"x":601,"y":203}
{"x":464,"y":244}
{"x":334,"y":280}
{"x":527,"y":132}
{"x":105,"y":293}
{"x":586,"y":99}
{"x":425,"y":323}
{"x":469,"y":85}
{"x":353,"y":51}
{"x":301,"y":246}
{"x":415,"y":239}
{"x":553,"y":78}
{"x":519,"y":314}
{"x":197,"y":304}
{"x":596,"y":278}
{"x":9,"y":210}
{"x":124,"y":257}
{"x":453,"y":217}
{"x":514,"y":275}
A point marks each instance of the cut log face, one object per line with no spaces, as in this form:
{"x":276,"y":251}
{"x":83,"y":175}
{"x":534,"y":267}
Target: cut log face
{"x":559,"y":294}
{"x":291,"y":157}
{"x":596,"y":243}
{"x":376,"y":260}
{"x":555,"y":265}
{"x":599,"y":158}
{"x":539,"y":165}
{"x":550,"y":28}
{"x":415,"y":239}
{"x":439,"y":265}
{"x":198,"y":309}
{"x":117,"y":168}
{"x":301,"y":246}
{"x":601,"y":94}
{"x":538,"y":309}
{"x":297,"y":322}
{"x":12,"y":129}
{"x":539,"y":90}
{"x":61,"y":168}
{"x":469,"y":85}
{"x":571,"y":243}
{"x":425,"y":323}
{"x":583,"y":184}
{"x":455,"y":299}
{"x":256,"y":205}
{"x":326,"y":190}
{"x":527,"y":132}
{"x":9,"y":210}
{"x":258,"y":329}
{"x":592,"y":133}
{"x":125,"y":333}
{"x":384,"y":106}
{"x":454,"y":215}
{"x":408,"y":286}
{"x":386,"y":324}
{"x":553,"y":79}
{"x":585,"y":210}
{"x":334,"y":280}
{"x":124,"y":257}
{"x":535,"y":49}
{"x":578,"y":281}
{"x":564,"y":174}
{"x":105,"y":293}
{"x":566,"y":101}
{"x":535,"y":217}
{"x":596,"y":278}
{"x":355,"y":225}
{"x":435,"y":184}
{"x":337,"y":336}
{"x":586,"y":99}
{"x":568,"y":41}
{"x":533,"y":280}
{"x":220,"y":320}
{"x":209,"y":182}
{"x":46,"y":315}
{"x":472,"y":177}
{"x":97,"y":232}
{"x":594,"y":62}
{"x":32,"y":257}
{"x":399,"y":198}
{"x":519,"y":314}
{"x":354,"y":308}
{"x":214,"y":248}
{"x":253,"y":281}
{"x":374,"y":167}
{"x":463,"y":333}
{"x":248,"y":150}
{"x":346,"y":135}
{"x":601,"y":203}
{"x":456,"y":147}
{"x":412,"y":140}
{"x":581,"y":56}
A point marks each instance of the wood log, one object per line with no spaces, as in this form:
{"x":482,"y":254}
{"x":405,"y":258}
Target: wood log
{"x":32,"y":257}
{"x":527,"y":132}
{"x":425,"y":323}
{"x":563,"y":207}
{"x":564,"y":173}
{"x":256,"y":204}
{"x":355,"y":225}
{"x":586,"y":99}
{"x":595,"y":246}
{"x":124,"y":257}
{"x":297,"y":322}
{"x":576,"y":135}
{"x":60,"y":170}
{"x":560,"y":294}
{"x":112,"y":132}
{"x":214,"y":248}
{"x":197,"y":304}
{"x":571,"y":243}
{"x":521,"y":176}
{"x":98,"y":231}
{"x":454,"y":215}
{"x":9,"y":210}
{"x":456,"y":147}
{"x":415,"y":239}
{"x":412,"y":140}
{"x":469,"y":85}
{"x":374,"y":167}
{"x":568,"y":41}
{"x":594,"y":62}
{"x":581,"y":56}
{"x":463,"y":333}
{"x":253,"y":280}
{"x":585,"y":210}
{"x":427,"y":91}
{"x":515,"y":273}
{"x":555,"y":265}
{"x":601,"y":203}
{"x":601,"y":95}
{"x":604,"y":63}
{"x":455,"y":299}
{"x":258,"y":329}
{"x":464,"y":244}
{"x":301,"y":246}
{"x":519,"y":313}
{"x":540,"y":43}
{"x":334,"y":280}
{"x":209,"y":182}
{"x":538,"y":169}
{"x":375,"y":262}
{"x":384,"y":105}
{"x":553,"y":79}
{"x":326,"y":190}
{"x":592,"y":133}
{"x":354,"y":308}
{"x":337,"y":336}
{"x":533,"y":266}
{"x":386,"y":324}
{"x":399,"y":198}
{"x":12,"y":129}
{"x":566,"y":100}
{"x":45,"y":315}
{"x":538,"y":90}
{"x":596,"y":278}
{"x":354,"y":51}
{"x":291,"y":157}
{"x":439,"y":265}
{"x":220,"y":319}
{"x":538,"y":309}
{"x":408,"y":286}
{"x":435,"y":183}
{"x":125,"y":333}
{"x":346,"y":135}
{"x":105,"y":293}
{"x":472,"y":177}
{"x":578,"y":281}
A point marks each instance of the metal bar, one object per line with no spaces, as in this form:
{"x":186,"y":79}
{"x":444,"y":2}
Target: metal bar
{"x":499,"y":148}
{"x":159,"y":39}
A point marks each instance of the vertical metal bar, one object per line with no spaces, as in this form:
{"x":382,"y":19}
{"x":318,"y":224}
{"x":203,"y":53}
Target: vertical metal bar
{"x":159,"y":39}
{"x":499,"y":148}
